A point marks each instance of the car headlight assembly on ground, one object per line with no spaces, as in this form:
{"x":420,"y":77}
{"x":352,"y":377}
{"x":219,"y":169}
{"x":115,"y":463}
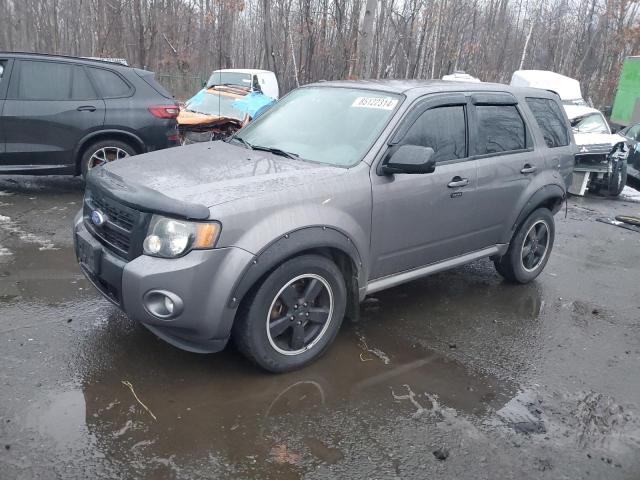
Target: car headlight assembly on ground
{"x":171,"y":238}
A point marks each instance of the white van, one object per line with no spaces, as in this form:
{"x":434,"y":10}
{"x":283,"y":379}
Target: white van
{"x":256,"y":80}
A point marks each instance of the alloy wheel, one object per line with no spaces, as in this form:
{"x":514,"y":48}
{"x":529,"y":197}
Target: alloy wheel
{"x":535,"y":245}
{"x":300,"y":314}
{"x":105,"y":155}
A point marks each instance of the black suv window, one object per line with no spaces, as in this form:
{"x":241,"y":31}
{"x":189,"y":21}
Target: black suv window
{"x":441,"y":128}
{"x":550,"y":120}
{"x":110,"y":84}
{"x":500,"y":129}
{"x":81,"y":88}
{"x":53,"y":81}
{"x":44,"y":80}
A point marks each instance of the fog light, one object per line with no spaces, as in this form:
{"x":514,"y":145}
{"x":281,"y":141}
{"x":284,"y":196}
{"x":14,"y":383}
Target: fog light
{"x":163,"y":304}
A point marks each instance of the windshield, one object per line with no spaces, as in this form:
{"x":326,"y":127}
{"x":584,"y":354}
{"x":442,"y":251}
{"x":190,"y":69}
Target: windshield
{"x":212,"y":104}
{"x":591,"y":123}
{"x":329,"y":125}
{"x":229,"y":78}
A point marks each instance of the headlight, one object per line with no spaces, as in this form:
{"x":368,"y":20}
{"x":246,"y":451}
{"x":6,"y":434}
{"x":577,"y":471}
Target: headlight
{"x":170,"y":238}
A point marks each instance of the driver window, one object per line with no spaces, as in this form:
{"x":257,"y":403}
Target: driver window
{"x":441,"y":128}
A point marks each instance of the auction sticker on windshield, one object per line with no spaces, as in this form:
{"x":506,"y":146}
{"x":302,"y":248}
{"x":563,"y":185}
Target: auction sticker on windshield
{"x":383,"y":103}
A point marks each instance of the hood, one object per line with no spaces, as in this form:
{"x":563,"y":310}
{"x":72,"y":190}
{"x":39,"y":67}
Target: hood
{"x":213,"y":173}
{"x":596,"y":139}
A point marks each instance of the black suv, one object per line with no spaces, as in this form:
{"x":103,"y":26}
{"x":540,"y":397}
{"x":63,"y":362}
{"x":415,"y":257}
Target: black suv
{"x":65,"y":115}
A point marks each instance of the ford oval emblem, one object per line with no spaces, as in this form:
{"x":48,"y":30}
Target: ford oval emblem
{"x":98,"y":218}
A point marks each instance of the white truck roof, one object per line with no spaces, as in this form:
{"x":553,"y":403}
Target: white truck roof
{"x":567,"y":88}
{"x":461,"y":77}
{"x":249,"y":71}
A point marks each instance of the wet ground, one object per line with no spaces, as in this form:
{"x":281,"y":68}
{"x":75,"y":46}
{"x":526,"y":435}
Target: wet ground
{"x":455,"y":376}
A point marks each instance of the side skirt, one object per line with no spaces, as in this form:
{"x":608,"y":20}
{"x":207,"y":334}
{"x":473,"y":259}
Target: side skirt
{"x":409,"y":275}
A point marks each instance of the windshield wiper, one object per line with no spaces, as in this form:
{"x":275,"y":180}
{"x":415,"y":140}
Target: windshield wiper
{"x":276,"y":151}
{"x":242,"y":141}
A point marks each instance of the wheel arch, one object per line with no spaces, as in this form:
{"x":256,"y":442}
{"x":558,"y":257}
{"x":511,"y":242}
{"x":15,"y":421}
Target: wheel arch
{"x":321,"y":240}
{"x":550,"y":196}
{"x":111,"y":134}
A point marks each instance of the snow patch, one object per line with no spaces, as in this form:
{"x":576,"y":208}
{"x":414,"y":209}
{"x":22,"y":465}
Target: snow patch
{"x":10,"y":226}
{"x":631,"y":194}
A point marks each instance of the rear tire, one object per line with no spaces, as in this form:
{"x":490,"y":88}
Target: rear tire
{"x":104,"y":151}
{"x":290,"y":319}
{"x":529,"y":249}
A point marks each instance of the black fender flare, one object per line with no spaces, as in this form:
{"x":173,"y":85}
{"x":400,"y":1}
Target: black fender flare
{"x":539,"y":197}
{"x":84,"y":141}
{"x":289,"y":245}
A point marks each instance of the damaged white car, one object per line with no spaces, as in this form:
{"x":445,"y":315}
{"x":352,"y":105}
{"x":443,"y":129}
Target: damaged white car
{"x":601,"y":161}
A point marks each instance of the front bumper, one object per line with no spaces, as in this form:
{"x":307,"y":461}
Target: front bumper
{"x":203,"y":279}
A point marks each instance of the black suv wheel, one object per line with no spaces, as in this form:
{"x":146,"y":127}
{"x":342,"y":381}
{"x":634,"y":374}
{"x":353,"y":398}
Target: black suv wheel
{"x":529,"y":249}
{"x":291,"y":318}
{"x":102,"y":152}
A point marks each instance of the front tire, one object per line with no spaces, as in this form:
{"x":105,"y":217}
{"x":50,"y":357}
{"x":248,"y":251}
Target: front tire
{"x":529,"y":249}
{"x":291,"y":318}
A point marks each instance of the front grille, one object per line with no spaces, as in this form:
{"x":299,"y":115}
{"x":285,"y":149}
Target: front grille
{"x":124,"y":228}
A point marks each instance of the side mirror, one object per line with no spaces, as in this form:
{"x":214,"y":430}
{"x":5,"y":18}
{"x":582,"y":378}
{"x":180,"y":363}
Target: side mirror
{"x":410,"y":159}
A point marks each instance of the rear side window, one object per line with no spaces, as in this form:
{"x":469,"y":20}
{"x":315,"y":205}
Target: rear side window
{"x":441,"y":128}
{"x":110,"y":84}
{"x":500,"y":129}
{"x":550,"y":120}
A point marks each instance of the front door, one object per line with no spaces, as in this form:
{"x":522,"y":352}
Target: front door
{"x":50,"y":106}
{"x":419,"y":219}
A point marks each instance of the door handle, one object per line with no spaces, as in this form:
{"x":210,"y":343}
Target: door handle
{"x":528,"y":169}
{"x":86,"y":108}
{"x":458,"y":182}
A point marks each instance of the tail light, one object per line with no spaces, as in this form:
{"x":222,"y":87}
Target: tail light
{"x":165,"y":111}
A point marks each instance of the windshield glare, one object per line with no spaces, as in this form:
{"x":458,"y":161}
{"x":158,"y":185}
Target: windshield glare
{"x":593,"y":123}
{"x":329,"y":125}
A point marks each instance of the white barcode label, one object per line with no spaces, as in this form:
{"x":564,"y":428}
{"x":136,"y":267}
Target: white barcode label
{"x":383,"y":103}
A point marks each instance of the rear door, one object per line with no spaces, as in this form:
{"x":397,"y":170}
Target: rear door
{"x":552,"y":123}
{"x":50,"y":107}
{"x":5,"y":72}
{"x":507,"y":162}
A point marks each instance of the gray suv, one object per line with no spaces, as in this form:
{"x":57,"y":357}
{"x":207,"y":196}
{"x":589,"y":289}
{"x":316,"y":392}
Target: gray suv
{"x":341,"y":190}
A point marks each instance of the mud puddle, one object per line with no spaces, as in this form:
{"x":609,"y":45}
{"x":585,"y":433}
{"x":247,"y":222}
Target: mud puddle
{"x":219,"y":405}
